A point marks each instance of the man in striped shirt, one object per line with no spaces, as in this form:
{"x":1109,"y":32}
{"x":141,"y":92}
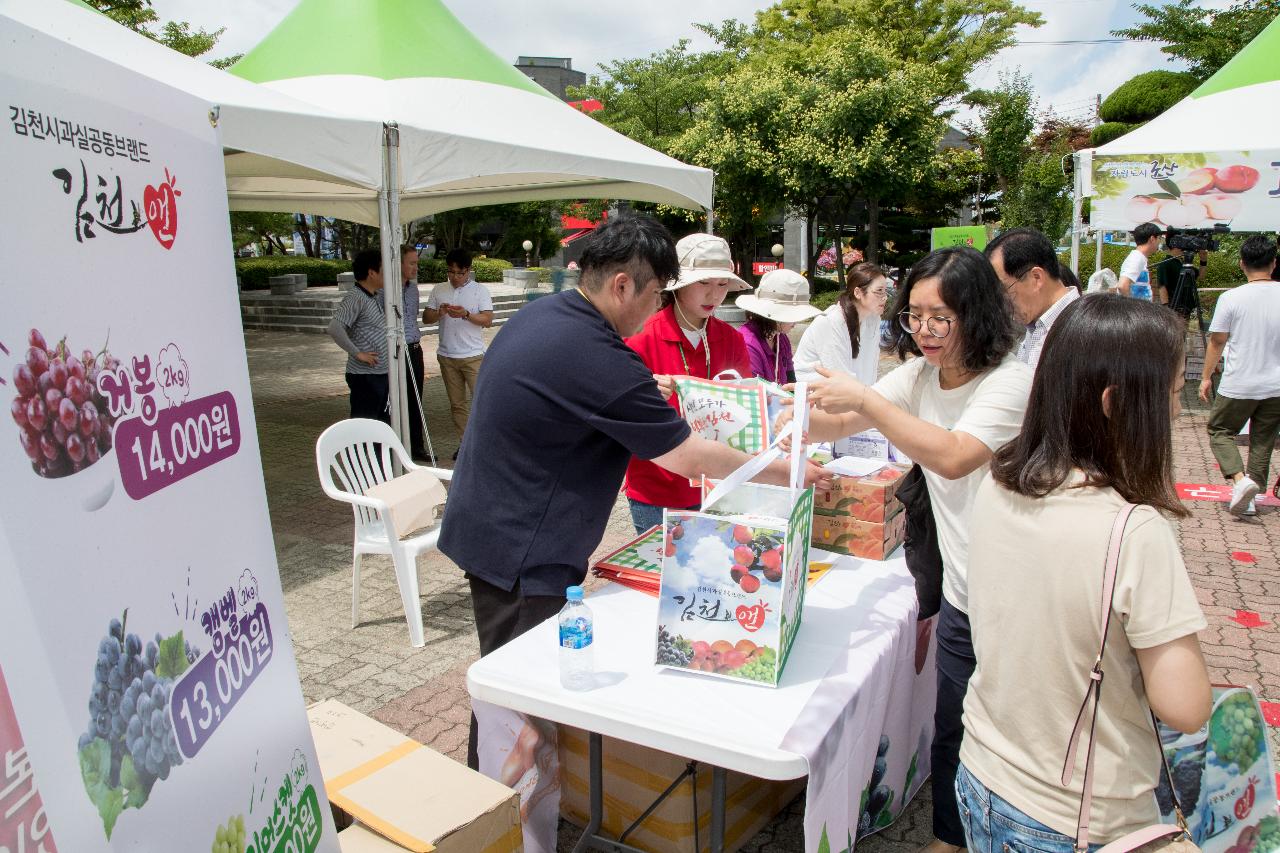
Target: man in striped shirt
{"x":1025,"y":261}
{"x":359,"y":327}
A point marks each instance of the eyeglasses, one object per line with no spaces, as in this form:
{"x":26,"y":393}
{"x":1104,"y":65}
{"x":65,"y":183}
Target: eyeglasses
{"x":939,"y":327}
{"x":465,"y":272}
{"x":1008,"y":285}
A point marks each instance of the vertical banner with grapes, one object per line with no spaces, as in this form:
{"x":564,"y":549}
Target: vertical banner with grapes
{"x":149,"y":697}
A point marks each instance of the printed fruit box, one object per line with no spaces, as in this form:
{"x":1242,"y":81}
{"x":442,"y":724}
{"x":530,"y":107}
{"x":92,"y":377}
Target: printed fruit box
{"x":871,"y":540}
{"x":732,"y":590}
{"x":869,"y":498}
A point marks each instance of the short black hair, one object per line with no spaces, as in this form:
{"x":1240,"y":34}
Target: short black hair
{"x":1024,"y":248}
{"x":1144,"y":232}
{"x":640,"y":246}
{"x":460,"y":258}
{"x":1258,"y":254}
{"x":369,"y":259}
{"x":1068,"y":278}
{"x":969,"y":287}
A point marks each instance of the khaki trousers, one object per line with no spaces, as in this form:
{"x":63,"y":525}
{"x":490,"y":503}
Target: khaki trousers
{"x":1225,"y":421}
{"x":459,"y":375}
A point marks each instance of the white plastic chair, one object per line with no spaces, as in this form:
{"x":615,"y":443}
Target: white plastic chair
{"x":359,"y":452}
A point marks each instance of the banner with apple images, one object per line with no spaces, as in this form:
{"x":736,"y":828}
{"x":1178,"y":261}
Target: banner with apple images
{"x":153,"y":700}
{"x":1233,"y":190}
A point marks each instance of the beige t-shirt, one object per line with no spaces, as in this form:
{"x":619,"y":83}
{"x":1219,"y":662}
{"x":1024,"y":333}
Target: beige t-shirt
{"x":1035,"y":583}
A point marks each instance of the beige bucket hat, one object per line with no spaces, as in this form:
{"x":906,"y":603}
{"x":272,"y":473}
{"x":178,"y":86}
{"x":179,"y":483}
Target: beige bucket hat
{"x":704,"y":256}
{"x":783,"y":296}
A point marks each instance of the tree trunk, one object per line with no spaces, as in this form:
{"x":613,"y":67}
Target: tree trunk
{"x":304,"y":230}
{"x":873,"y":230}
{"x":811,"y":239}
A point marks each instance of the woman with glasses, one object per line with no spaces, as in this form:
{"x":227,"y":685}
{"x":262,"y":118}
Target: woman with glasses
{"x":846,"y":337}
{"x":949,"y":409}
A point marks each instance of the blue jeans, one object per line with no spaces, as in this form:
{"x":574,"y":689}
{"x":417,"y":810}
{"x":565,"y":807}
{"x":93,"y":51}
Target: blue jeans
{"x":644,"y":515}
{"x":992,"y":825}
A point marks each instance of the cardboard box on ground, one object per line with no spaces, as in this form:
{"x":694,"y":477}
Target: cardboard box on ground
{"x":391,"y":793}
{"x":634,"y":776}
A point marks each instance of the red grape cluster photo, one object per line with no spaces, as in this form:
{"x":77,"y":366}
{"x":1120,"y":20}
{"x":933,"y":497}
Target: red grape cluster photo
{"x":65,"y":422}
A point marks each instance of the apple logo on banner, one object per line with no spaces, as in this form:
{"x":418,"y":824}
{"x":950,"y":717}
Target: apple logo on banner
{"x":162,"y":209}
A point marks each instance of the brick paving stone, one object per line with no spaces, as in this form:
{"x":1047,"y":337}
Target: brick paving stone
{"x":299,"y":390}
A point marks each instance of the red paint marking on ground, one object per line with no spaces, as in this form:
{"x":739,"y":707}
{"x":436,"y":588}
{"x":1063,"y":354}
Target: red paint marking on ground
{"x":1271,"y":712}
{"x":1248,"y":619}
{"x":1218,"y":493}
{"x":1243,"y":557}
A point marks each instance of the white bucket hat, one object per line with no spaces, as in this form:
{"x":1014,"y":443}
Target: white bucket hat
{"x":704,"y":256}
{"x":783,"y":296}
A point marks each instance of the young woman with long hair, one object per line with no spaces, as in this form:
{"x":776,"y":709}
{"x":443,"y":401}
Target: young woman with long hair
{"x":846,"y":336}
{"x":949,"y":409}
{"x":1096,"y":436}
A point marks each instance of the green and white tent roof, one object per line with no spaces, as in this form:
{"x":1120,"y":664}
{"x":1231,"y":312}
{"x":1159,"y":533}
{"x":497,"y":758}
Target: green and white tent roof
{"x":473,"y":129}
{"x":1234,"y":110}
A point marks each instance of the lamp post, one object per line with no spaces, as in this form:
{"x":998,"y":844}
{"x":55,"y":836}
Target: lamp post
{"x":528,"y":247}
{"x":777,"y":252}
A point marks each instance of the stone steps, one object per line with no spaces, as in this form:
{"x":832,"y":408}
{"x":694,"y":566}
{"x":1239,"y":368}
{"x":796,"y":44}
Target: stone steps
{"x":310,"y":311}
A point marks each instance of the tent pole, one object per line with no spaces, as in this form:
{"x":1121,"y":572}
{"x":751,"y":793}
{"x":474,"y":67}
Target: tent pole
{"x":1097,"y":263}
{"x":389,"y":228}
{"x":711,"y":214}
{"x":1077,"y":213}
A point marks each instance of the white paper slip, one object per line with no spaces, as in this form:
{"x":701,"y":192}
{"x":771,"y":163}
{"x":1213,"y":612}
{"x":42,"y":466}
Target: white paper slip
{"x":854,"y":466}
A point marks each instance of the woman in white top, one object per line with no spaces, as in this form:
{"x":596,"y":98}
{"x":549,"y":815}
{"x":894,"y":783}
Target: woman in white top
{"x":1096,"y":435}
{"x":949,"y":410}
{"x":846,"y":337}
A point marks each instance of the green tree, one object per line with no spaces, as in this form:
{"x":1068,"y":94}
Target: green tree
{"x":1008,"y":117}
{"x":818,"y":125}
{"x":1042,"y":197}
{"x":139,"y":16}
{"x":267,"y":229}
{"x":953,"y":37}
{"x":1205,"y":39}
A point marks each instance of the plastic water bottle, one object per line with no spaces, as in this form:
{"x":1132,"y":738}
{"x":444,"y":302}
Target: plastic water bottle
{"x":576,"y":634}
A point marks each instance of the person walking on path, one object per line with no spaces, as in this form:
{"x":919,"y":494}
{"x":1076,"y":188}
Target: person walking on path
{"x":415,"y":371}
{"x":1097,"y":436}
{"x":846,"y":337}
{"x":464,"y":309}
{"x":1027,"y":265}
{"x":685,"y":339}
{"x":359,"y":327}
{"x":949,"y":409}
{"x":1135,"y":278}
{"x":1246,"y":324}
{"x":561,"y":407}
{"x":781,"y":301}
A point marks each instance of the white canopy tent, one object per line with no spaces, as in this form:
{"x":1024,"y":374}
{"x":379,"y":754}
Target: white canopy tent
{"x":1218,"y":150}
{"x":463,"y":128}
{"x":416,"y":114}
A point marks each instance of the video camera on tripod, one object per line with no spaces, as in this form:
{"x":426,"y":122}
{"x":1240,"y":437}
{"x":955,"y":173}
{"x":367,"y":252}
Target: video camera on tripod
{"x":1185,"y":298}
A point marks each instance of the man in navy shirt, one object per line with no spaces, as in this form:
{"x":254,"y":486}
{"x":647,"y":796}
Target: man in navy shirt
{"x":560,"y":407}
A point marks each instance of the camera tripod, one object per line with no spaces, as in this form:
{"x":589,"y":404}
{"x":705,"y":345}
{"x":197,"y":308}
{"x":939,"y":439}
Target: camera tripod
{"x":1187,"y":289}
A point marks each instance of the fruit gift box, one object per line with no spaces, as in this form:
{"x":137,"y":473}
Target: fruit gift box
{"x":872,"y":498}
{"x":733,"y":583}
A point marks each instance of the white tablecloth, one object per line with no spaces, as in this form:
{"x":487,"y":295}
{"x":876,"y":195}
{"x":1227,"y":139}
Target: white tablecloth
{"x":852,"y":684}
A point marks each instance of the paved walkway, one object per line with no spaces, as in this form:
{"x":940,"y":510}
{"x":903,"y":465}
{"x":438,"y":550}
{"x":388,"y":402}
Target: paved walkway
{"x":299,"y":390}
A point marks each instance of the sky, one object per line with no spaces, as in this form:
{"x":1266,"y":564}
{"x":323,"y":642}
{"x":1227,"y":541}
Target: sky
{"x":1067,"y":78}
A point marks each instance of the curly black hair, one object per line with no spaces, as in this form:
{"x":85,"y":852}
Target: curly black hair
{"x":969,"y":287}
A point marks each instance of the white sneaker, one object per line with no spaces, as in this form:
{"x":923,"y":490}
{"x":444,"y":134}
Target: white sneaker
{"x":1242,"y":494}
{"x":1250,"y":509}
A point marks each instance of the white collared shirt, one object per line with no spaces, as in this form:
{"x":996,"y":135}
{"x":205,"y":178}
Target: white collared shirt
{"x":1029,"y":349}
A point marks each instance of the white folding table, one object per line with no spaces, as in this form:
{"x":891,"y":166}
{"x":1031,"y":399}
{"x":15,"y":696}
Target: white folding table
{"x":685,"y":713}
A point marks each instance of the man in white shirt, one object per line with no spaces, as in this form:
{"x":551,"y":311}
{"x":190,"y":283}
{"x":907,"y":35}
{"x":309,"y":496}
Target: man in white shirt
{"x":463,"y":308}
{"x":1135,"y":280}
{"x":1024,"y":260}
{"x":1246,"y":323}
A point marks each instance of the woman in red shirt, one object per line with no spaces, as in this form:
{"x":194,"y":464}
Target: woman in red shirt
{"x":684,"y":339}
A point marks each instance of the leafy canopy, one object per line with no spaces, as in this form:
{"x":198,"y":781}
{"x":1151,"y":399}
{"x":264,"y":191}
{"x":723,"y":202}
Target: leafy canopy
{"x":1206,"y":39}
